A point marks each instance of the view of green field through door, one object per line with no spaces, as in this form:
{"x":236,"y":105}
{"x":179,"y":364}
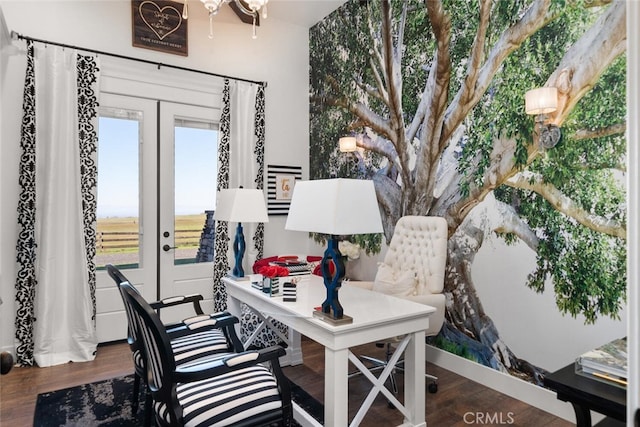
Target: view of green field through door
{"x":157,"y":170}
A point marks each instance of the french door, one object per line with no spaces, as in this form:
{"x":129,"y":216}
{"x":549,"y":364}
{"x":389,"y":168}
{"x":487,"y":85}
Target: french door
{"x":157,"y":170}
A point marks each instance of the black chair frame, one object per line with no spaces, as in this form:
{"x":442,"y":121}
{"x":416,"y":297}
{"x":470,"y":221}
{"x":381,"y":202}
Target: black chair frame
{"x":223,"y":320}
{"x":161,"y":364}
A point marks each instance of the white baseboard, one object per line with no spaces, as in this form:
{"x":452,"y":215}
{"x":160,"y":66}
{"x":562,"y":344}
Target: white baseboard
{"x":528,"y":393}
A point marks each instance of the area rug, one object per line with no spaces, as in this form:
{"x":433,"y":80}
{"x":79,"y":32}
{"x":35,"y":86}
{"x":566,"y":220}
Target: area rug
{"x":108,"y":403}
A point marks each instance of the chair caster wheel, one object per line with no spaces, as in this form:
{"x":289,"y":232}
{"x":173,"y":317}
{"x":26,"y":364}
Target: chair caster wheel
{"x":432,"y":387}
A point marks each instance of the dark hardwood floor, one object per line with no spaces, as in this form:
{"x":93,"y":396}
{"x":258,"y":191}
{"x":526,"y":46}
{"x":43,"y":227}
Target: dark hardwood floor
{"x":458,"y":402}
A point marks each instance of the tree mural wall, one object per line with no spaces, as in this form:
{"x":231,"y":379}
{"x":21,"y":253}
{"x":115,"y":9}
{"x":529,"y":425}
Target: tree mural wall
{"x":434,"y":93}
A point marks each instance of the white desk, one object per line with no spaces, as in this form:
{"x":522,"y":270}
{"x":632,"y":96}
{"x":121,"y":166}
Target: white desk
{"x":375,"y":318}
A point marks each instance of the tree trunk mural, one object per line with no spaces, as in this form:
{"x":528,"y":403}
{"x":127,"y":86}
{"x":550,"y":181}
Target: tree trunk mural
{"x":434,"y":93}
{"x":467,"y":322}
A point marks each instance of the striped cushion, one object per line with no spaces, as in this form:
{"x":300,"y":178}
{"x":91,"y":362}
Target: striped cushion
{"x":230,"y":398}
{"x":198,"y":345}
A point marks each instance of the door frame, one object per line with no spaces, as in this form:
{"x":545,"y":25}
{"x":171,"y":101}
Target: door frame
{"x":152,"y":84}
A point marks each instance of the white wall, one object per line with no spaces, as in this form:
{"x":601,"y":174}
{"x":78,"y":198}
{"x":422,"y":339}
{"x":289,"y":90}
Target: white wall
{"x":530,"y":323}
{"x":280,"y":56}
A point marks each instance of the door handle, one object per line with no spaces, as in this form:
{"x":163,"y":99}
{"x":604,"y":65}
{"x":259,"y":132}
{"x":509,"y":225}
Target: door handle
{"x":167,"y":248}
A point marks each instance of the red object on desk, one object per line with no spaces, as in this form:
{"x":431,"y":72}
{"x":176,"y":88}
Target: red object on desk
{"x":266,"y":261}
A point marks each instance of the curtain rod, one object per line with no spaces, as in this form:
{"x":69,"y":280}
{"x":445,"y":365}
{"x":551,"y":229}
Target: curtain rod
{"x":15,"y":35}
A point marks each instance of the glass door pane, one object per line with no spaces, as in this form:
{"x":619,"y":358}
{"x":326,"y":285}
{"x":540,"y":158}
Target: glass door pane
{"x":127,"y":201}
{"x":187,"y":174}
{"x":118,"y":208}
{"x":195,"y":182}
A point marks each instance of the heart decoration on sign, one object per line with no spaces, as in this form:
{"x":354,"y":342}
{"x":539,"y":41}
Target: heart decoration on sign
{"x":162,"y":21}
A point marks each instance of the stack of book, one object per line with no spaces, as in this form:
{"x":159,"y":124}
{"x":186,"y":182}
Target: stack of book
{"x":607,"y":363}
{"x":295,"y":267}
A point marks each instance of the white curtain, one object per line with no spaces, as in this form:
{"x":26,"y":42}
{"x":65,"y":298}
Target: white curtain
{"x":64,"y":329}
{"x":242,"y":160}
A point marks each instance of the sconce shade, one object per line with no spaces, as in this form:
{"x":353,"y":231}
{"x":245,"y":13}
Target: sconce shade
{"x":338,"y":206}
{"x":542,"y":100}
{"x":347,"y":144}
{"x":241,"y":205}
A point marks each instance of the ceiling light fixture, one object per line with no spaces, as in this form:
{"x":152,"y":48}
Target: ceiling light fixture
{"x":248,"y":7}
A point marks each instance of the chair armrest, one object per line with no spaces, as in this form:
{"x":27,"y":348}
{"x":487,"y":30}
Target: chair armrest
{"x":230,"y":363}
{"x":222,"y":320}
{"x":214,"y":320}
{"x":178,"y":300}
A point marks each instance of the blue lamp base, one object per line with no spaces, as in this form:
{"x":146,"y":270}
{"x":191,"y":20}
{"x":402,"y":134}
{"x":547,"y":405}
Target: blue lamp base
{"x":238,"y":253}
{"x":331,"y":310}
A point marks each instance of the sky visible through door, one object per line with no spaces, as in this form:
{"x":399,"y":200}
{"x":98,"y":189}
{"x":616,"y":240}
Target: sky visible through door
{"x":118,"y":199}
{"x":118,"y":171}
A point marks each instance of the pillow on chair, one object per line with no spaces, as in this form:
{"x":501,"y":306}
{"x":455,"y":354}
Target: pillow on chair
{"x":396,"y":283}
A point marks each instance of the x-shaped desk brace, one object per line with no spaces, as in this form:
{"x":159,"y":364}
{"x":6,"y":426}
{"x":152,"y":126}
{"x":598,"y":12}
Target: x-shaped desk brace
{"x":378,"y":383}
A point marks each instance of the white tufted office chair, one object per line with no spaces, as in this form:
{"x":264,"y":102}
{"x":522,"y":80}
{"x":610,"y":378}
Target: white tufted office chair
{"x":414,"y":268}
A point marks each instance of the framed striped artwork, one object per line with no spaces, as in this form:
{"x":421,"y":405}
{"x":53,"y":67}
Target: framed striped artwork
{"x":280,"y":183}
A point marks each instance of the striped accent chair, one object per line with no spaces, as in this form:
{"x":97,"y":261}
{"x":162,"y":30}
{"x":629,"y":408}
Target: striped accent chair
{"x":242,"y":389}
{"x":196,"y":339}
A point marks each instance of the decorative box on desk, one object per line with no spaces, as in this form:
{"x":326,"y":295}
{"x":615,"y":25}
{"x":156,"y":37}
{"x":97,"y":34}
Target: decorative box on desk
{"x":268,"y":285}
{"x":289,"y":292}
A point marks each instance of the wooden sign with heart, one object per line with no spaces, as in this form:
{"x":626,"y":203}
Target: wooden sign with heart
{"x":158,"y":25}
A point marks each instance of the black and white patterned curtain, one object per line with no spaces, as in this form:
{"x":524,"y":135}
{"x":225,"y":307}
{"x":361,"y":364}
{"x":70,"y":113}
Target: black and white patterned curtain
{"x":220,"y":260}
{"x":243,"y":106}
{"x":26,"y":247}
{"x":55,"y":284}
{"x":258,"y":237}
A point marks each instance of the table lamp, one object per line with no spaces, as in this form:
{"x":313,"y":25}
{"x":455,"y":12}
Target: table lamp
{"x":240,"y":205}
{"x":335,"y":207}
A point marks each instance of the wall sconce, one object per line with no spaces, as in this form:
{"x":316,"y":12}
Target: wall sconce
{"x":347,"y":144}
{"x":540,"y":102}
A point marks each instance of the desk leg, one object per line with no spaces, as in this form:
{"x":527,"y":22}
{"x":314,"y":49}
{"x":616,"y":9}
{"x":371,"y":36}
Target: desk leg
{"x":233,"y":307}
{"x":336,"y":387}
{"x":414,"y":365}
{"x":583,"y":415}
{"x":294,"y":350}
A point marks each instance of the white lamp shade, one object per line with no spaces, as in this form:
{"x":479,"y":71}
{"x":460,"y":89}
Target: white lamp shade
{"x":241,"y":205}
{"x":334,"y":206}
{"x":542,"y":100}
{"x":347,"y":144}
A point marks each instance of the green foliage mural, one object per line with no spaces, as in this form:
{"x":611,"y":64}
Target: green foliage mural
{"x":434,"y":93}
